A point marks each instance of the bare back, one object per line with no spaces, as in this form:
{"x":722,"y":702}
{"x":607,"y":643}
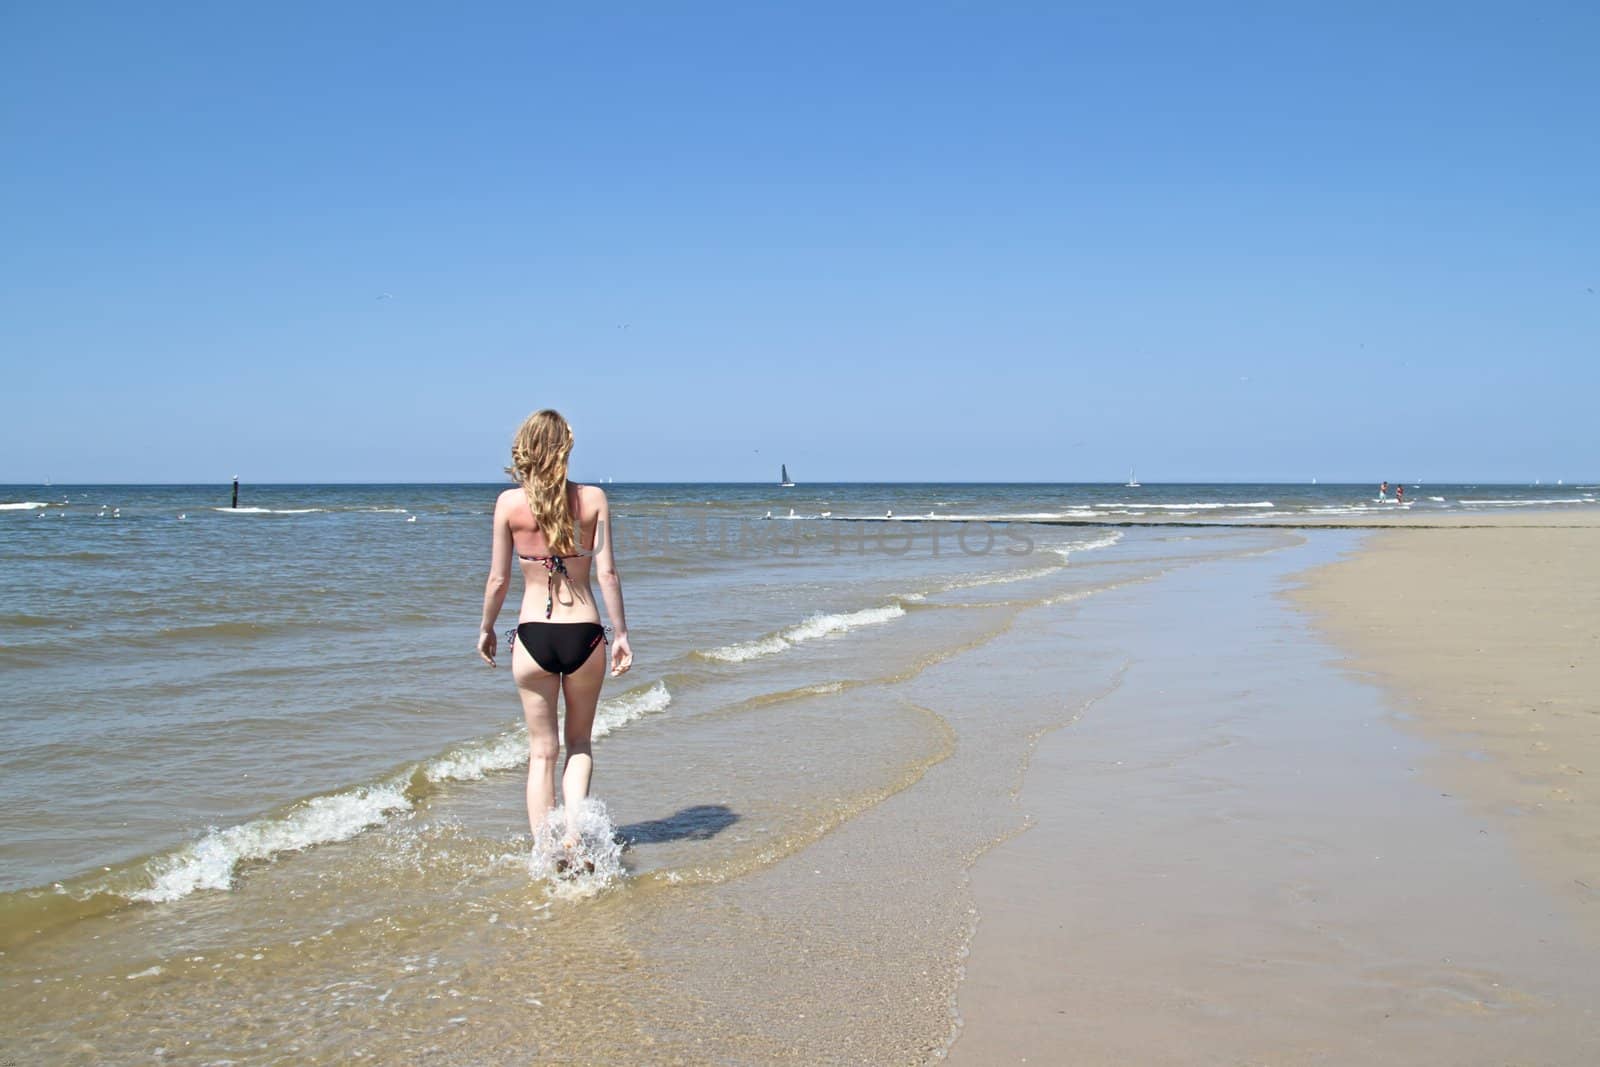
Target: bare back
{"x":570,"y":595}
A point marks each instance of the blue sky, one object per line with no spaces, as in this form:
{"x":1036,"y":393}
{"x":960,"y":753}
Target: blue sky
{"x":876,"y":241}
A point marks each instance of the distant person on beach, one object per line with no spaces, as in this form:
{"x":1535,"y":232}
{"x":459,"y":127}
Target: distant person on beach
{"x":1399,"y":494}
{"x":1383,"y":491}
{"x":559,"y":532}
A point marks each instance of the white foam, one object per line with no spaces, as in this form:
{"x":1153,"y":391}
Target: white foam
{"x":1524,"y":503}
{"x":615,"y":714}
{"x":472,"y":762}
{"x":1107,"y":541}
{"x":24,"y":505}
{"x":996,"y":516}
{"x":746,"y":650}
{"x":823,"y":625}
{"x":1003,"y":578}
{"x":1254,"y":504}
{"x":268,"y":511}
{"x":509,"y":750}
{"x":210,"y":862}
{"x":820,"y":625}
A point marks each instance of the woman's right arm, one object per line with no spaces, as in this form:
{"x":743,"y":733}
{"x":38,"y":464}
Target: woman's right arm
{"x":494,"y":592}
{"x":605,"y":566}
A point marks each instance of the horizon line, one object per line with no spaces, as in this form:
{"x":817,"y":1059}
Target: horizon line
{"x":226,"y":483}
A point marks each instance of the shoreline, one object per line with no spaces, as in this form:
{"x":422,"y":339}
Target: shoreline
{"x":1493,"y":656}
{"x":1238,"y":857}
{"x":1543,"y":518}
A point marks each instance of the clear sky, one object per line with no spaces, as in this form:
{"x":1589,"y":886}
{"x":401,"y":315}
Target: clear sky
{"x":1041,"y":241}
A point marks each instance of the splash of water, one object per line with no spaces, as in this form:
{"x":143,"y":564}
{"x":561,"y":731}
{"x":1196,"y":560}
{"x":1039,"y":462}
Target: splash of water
{"x":583,"y":871}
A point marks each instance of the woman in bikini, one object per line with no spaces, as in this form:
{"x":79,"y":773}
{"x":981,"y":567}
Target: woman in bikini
{"x":559,"y":532}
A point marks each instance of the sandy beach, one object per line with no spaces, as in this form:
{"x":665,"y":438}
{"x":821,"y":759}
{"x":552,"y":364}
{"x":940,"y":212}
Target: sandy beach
{"x":1489,"y":641}
{"x":1347,"y":825}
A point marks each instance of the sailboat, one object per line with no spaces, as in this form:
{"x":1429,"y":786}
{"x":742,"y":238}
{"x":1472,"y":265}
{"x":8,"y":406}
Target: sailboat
{"x":783,"y":481}
{"x":1132,"y":482}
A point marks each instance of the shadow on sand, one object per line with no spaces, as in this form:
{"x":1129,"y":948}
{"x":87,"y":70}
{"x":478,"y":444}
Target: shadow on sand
{"x":698,"y":823}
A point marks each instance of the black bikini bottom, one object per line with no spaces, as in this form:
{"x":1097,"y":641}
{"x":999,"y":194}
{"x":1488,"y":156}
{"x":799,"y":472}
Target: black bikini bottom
{"x":560,"y":647}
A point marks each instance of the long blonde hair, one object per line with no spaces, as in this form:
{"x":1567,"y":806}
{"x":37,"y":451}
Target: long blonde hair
{"x":539,"y":454}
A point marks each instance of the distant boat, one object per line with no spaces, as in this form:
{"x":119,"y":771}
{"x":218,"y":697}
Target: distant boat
{"x":1132,"y":482}
{"x":783,"y":480}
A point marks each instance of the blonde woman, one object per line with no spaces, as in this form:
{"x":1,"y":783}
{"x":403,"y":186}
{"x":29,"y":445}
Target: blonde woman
{"x":560,"y":533}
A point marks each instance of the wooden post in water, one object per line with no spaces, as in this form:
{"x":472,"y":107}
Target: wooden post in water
{"x":235,"y":490}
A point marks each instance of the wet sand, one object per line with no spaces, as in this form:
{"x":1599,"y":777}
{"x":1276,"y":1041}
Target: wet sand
{"x":1490,"y":642}
{"x":1241,"y":857}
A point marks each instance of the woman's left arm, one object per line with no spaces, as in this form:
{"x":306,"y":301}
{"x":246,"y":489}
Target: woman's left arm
{"x":494,"y":593}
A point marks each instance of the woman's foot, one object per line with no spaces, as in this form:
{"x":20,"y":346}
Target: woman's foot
{"x":572,"y":858}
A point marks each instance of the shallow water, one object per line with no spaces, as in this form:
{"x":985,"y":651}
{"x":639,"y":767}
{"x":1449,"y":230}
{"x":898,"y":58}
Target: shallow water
{"x":307,"y":793}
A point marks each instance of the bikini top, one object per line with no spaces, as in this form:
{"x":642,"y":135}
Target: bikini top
{"x":553,"y":565}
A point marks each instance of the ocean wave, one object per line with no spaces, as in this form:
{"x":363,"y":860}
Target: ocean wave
{"x":1007,"y":577}
{"x":268,"y":511}
{"x":1254,"y":505}
{"x":996,"y":516}
{"x":820,"y":625}
{"x":213,"y":861}
{"x":210,"y":862}
{"x":1527,"y":503}
{"x":1107,"y":541}
{"x":509,"y":750}
{"x":23,"y":505}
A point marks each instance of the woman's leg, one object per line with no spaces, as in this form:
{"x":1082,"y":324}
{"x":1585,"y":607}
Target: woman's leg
{"x":538,"y":689}
{"x":581,"y":689}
